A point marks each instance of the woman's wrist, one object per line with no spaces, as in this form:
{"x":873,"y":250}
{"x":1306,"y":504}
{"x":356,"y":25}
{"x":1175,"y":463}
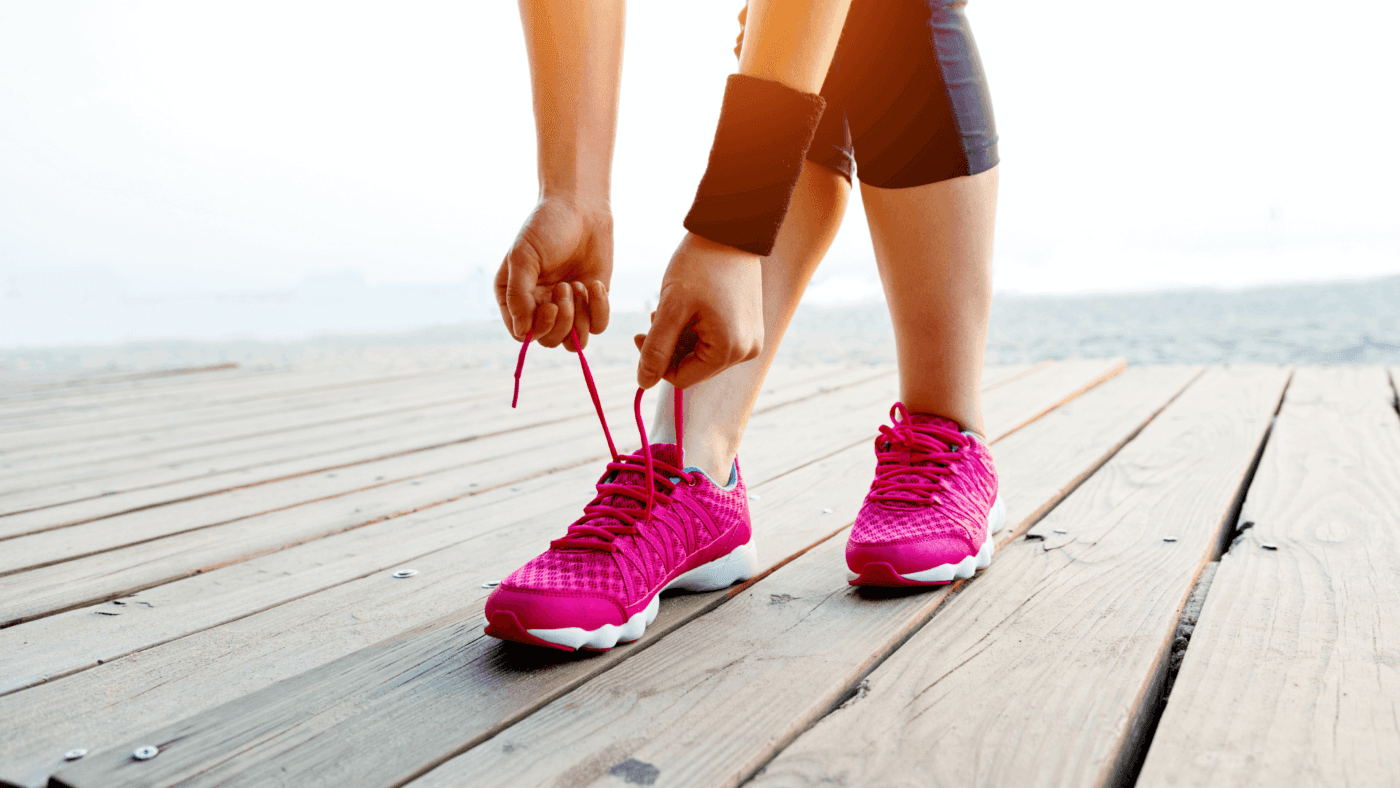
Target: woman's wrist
{"x":594,"y":202}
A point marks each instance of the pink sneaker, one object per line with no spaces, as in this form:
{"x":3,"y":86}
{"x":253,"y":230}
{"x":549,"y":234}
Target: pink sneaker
{"x":654,"y":525}
{"x":930,"y":513}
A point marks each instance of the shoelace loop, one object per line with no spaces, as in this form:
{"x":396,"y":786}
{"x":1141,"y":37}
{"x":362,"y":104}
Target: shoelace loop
{"x":901,"y":445}
{"x":584,"y":534}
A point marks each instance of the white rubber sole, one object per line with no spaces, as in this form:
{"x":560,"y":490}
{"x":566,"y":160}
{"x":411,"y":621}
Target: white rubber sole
{"x":739,"y":564}
{"x":966,"y":568}
{"x":996,"y":518}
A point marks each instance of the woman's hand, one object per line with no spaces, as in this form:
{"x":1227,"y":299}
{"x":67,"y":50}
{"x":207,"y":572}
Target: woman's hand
{"x":556,"y":275}
{"x":710,"y":316}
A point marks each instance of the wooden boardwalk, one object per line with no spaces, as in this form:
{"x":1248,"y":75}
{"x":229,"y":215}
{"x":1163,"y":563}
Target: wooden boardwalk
{"x":1199,"y":585}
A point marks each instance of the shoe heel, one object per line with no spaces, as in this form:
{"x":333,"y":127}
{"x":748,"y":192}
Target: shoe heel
{"x":740,"y":564}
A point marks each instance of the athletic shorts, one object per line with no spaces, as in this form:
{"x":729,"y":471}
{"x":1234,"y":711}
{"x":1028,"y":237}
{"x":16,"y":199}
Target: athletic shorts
{"x":907,"y":99}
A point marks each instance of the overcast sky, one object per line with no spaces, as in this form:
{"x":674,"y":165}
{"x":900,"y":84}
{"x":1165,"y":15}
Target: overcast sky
{"x":211,"y":147}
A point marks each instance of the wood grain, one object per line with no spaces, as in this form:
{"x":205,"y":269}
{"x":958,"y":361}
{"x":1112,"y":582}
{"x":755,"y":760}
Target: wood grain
{"x":85,"y":450}
{"x":1292,"y":676}
{"x":17,"y":391}
{"x":443,"y":682}
{"x":141,"y":418}
{"x":1045,"y":671}
{"x":91,"y":407}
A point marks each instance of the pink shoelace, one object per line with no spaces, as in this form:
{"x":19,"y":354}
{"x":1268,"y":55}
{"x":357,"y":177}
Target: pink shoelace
{"x":905,"y":443}
{"x":586,"y":533}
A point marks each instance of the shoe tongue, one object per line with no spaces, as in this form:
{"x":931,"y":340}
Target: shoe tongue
{"x":660,"y":452}
{"x":668,"y":453}
{"x":918,"y":419}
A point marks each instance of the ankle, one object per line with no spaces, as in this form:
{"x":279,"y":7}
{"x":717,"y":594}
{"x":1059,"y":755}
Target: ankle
{"x":717,"y":463}
{"x":968,"y":419}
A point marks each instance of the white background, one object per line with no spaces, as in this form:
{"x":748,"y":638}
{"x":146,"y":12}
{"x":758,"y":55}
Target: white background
{"x":278,"y":169}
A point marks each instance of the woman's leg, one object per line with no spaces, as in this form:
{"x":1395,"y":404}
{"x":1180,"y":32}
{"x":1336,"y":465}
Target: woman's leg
{"x":717,"y":410}
{"x":933,"y":246}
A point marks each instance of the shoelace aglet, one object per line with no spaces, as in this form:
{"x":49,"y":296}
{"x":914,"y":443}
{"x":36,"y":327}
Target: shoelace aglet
{"x":520,"y":365}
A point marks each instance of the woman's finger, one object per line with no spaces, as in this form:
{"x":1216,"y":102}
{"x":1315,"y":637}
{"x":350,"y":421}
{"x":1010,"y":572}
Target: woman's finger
{"x":563,"y":319}
{"x":660,"y":343}
{"x":582,"y":318}
{"x":599,"y":310}
{"x":544,"y":320}
{"x":522,"y":268}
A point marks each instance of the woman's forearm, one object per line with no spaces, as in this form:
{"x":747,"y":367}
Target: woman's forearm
{"x":792,"y":41}
{"x":575,"y":49}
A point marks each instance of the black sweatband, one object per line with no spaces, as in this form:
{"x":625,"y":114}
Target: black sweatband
{"x":764,"y":131}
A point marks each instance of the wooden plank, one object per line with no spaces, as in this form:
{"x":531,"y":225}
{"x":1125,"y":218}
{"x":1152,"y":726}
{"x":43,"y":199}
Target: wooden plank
{"x":82,"y":399}
{"x":456,"y":437}
{"x":999,"y":374}
{"x":1009,"y":372}
{"x":182,"y":400}
{"x":425,"y":429}
{"x":1063,"y":380}
{"x":89,"y":406}
{"x":61,"y":644}
{"x":84,"y":439}
{"x":100,"y":456}
{"x":1293,"y":672}
{"x":500,"y":680}
{"x":712,"y":702}
{"x":1046,"y":670}
{"x":54,"y":588}
{"x":23,"y":386}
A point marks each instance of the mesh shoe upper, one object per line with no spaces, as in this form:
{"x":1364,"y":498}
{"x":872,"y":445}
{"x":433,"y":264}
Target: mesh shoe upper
{"x":931,"y":481}
{"x":605,"y":555}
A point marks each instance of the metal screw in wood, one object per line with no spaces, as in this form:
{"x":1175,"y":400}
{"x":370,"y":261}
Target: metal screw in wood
{"x":490,"y":584}
{"x":74,"y":754}
{"x":402,"y":573}
{"x":145,"y":753}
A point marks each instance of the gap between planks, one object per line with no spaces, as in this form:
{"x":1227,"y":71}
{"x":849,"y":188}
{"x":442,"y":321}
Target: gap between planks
{"x":1292,"y":675}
